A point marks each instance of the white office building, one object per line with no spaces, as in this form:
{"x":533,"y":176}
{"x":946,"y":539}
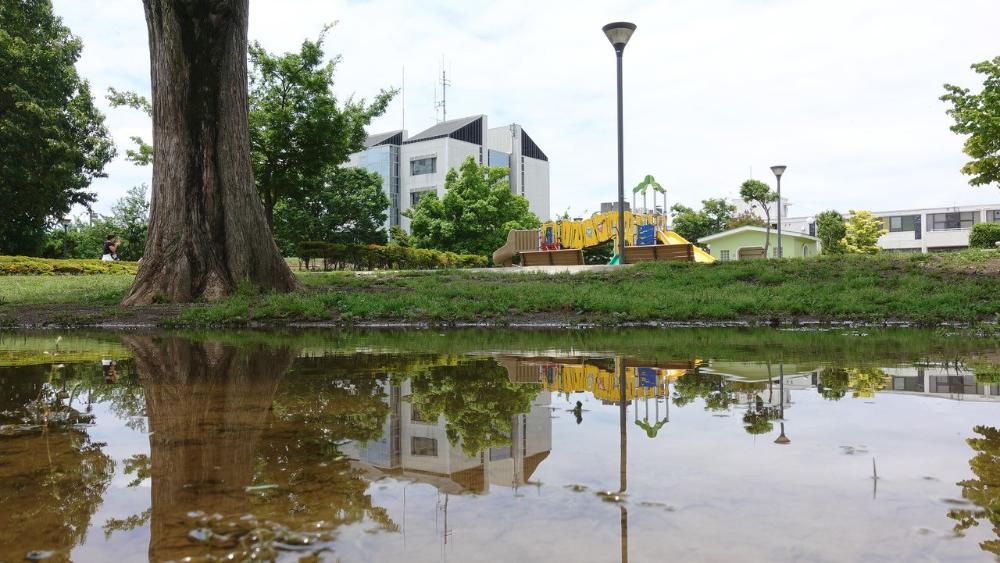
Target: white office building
{"x":932,"y":229}
{"x":413,"y":166}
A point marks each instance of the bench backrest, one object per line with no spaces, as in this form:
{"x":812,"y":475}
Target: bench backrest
{"x":571,"y":257}
{"x":682,"y":252}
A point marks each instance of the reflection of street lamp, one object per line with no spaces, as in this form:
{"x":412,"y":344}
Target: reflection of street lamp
{"x":778,"y":171}
{"x":623,"y":417}
{"x":782,"y":439}
{"x":619,"y":33}
{"x":65,"y":224}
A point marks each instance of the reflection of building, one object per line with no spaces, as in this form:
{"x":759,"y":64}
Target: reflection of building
{"x":418,"y":449}
{"x":941,"y":381}
{"x":413,"y":166}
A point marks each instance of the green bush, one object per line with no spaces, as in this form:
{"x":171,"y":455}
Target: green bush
{"x":23,"y":265}
{"x":984,"y":235}
{"x":392,"y":257}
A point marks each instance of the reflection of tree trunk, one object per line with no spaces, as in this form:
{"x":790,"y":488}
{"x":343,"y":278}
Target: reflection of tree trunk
{"x":207,"y":404}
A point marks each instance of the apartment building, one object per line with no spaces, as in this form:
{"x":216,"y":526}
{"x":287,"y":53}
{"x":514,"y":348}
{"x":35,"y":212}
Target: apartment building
{"x":932,"y":229}
{"x":414,"y":166}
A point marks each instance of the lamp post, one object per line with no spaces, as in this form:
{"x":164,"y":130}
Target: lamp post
{"x":618,"y":34}
{"x":778,"y":171}
{"x":65,"y":224}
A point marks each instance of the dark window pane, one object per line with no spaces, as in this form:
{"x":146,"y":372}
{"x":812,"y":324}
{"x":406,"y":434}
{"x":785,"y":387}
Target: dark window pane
{"x":424,"y":446}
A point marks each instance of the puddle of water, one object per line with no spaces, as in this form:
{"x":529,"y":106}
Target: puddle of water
{"x":702,"y":445}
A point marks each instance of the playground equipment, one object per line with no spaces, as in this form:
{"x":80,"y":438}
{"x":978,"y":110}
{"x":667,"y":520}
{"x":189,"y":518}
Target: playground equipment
{"x":561,"y":242}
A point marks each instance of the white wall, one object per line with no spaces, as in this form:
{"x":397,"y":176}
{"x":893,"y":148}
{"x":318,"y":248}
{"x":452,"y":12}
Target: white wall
{"x":536,"y":187}
{"x":450,"y":153}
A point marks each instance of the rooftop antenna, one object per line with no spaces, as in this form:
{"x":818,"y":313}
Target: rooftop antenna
{"x":402,"y":97}
{"x":443,"y":104}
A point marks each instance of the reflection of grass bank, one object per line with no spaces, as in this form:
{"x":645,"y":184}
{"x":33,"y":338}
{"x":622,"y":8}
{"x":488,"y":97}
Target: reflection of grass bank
{"x":923,"y":289}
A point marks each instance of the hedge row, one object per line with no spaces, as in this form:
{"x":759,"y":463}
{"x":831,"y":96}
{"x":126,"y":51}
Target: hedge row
{"x":24,"y":265}
{"x":984,"y":235}
{"x":392,"y":257}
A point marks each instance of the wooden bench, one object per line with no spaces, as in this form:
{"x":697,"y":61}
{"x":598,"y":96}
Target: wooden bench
{"x":571,"y":257}
{"x":682,"y":252}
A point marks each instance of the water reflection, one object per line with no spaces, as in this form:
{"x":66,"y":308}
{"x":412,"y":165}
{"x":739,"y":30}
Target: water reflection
{"x":203,"y":446}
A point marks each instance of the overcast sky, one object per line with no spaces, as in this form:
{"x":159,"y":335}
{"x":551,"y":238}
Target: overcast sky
{"x":845,"y":93}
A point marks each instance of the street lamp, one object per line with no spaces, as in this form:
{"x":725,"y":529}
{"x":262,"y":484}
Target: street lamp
{"x":618,"y":34}
{"x":65,"y":224}
{"x":778,"y":171}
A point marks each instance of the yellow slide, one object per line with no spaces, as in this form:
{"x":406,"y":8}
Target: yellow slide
{"x":597,"y":229}
{"x":670,"y":237}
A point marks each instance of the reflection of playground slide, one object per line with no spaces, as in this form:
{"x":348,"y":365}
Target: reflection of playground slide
{"x":670,"y":237}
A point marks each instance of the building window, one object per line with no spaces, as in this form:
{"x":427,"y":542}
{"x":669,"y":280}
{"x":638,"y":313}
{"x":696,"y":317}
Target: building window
{"x":724,"y":255}
{"x":903,"y":223}
{"x":993,"y":216}
{"x":416,"y":195}
{"x":426,"y":165}
{"x":955,"y":220}
{"x":423,"y":446}
{"x":805,"y":250}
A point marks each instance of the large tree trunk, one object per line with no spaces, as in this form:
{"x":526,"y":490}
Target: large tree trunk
{"x":207,"y":231}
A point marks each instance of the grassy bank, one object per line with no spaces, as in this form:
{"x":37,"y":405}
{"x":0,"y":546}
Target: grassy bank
{"x":921,"y":289}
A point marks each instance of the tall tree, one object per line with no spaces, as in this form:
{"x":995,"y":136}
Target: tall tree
{"x":349,"y":208}
{"x":298,"y":131}
{"x":831,"y":231}
{"x":978,"y":116}
{"x":53,"y":141}
{"x":862,"y":232}
{"x":207,"y":230}
{"x":475,"y":214}
{"x":759,"y":194}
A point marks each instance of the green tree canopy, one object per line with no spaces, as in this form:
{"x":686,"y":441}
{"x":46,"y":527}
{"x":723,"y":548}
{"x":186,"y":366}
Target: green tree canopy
{"x":759,"y":194}
{"x":978,"y":116}
{"x":350,"y":207}
{"x":713,"y":218}
{"x":831,"y":230}
{"x":129,"y":220}
{"x":53,"y":141}
{"x":477,"y":399}
{"x":475,"y":214}
{"x":982,"y":490}
{"x":862,"y":232}
{"x":744,"y":219}
{"x":298,"y":129}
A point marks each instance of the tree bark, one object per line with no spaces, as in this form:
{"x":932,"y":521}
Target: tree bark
{"x":207,"y":230}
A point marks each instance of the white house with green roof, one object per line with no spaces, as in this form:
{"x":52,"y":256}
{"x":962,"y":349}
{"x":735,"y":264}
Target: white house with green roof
{"x":747,"y":242}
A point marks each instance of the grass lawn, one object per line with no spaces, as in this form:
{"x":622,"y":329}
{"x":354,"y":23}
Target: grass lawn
{"x":925,"y":289}
{"x":39,"y":290}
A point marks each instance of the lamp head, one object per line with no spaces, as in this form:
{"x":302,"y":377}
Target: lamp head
{"x":778,"y":170}
{"x":619,"y":33}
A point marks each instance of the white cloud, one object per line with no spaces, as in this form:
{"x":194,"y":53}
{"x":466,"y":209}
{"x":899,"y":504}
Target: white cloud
{"x":844,"y":93}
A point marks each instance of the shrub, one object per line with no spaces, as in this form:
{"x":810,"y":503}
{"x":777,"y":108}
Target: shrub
{"x":377,"y":257}
{"x":984,"y":235}
{"x":23,"y":265}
